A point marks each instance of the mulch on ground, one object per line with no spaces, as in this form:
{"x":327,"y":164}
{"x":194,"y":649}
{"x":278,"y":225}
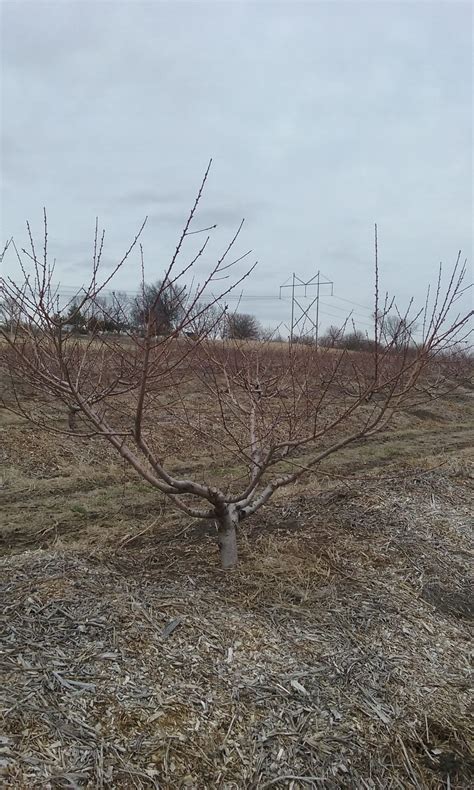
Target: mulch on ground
{"x":335,"y":656}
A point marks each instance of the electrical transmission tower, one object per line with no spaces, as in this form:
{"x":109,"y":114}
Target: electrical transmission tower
{"x":302,"y":315}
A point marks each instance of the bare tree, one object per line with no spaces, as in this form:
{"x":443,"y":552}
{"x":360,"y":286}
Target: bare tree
{"x":10,"y":314}
{"x":331,"y":337}
{"x":397,"y":329}
{"x":207,"y":320}
{"x":267,"y":415}
{"x":242,"y":326}
{"x":119,"y":307}
{"x":271,"y":334}
{"x":162,"y":304}
{"x":356,"y":340}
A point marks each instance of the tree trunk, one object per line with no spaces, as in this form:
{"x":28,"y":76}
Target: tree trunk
{"x":72,"y":418}
{"x":227,"y":537}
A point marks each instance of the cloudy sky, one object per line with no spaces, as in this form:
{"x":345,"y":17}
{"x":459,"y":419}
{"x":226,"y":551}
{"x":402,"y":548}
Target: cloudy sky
{"x":321,"y":118}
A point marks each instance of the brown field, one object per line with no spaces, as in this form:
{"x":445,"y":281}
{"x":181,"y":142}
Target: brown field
{"x":335,"y":656}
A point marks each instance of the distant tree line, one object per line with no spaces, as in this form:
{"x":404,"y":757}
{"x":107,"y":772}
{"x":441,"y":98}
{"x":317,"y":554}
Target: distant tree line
{"x":161,"y":305}
{"x":165,"y":305}
{"x":392,"y":330}
{"x":164,"y":308}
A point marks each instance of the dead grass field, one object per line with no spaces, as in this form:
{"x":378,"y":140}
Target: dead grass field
{"x":335,"y":656}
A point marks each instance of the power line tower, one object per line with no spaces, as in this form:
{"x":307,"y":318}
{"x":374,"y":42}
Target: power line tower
{"x":300,"y":314}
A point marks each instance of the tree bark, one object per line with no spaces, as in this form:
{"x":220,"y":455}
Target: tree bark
{"x":227,"y":537}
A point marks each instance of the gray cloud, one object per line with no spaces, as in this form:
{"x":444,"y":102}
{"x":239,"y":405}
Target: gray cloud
{"x":322,"y":118}
{"x":206,"y":217}
{"x":147,"y":196}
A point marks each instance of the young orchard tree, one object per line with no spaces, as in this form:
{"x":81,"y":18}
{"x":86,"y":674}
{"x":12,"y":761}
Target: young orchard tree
{"x":250,"y":418}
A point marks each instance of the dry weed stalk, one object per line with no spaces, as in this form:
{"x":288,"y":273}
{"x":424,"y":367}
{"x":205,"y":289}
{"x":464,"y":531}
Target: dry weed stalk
{"x":274,"y":412}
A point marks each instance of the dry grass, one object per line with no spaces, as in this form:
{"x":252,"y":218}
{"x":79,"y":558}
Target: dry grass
{"x":336,"y":656}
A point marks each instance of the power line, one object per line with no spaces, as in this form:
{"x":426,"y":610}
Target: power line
{"x":357,"y":304}
{"x":333,"y":315}
{"x":73,"y":291}
{"x":344,"y":310}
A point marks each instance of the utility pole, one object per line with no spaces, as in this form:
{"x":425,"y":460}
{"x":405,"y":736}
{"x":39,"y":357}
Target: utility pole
{"x":318,"y":280}
{"x":316,"y":334}
{"x":292,"y":307}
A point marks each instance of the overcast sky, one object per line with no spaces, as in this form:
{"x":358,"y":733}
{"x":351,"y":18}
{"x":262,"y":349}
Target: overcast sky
{"x":321,"y":118}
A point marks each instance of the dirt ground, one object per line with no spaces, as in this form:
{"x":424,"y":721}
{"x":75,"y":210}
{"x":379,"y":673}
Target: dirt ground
{"x":335,"y":656}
